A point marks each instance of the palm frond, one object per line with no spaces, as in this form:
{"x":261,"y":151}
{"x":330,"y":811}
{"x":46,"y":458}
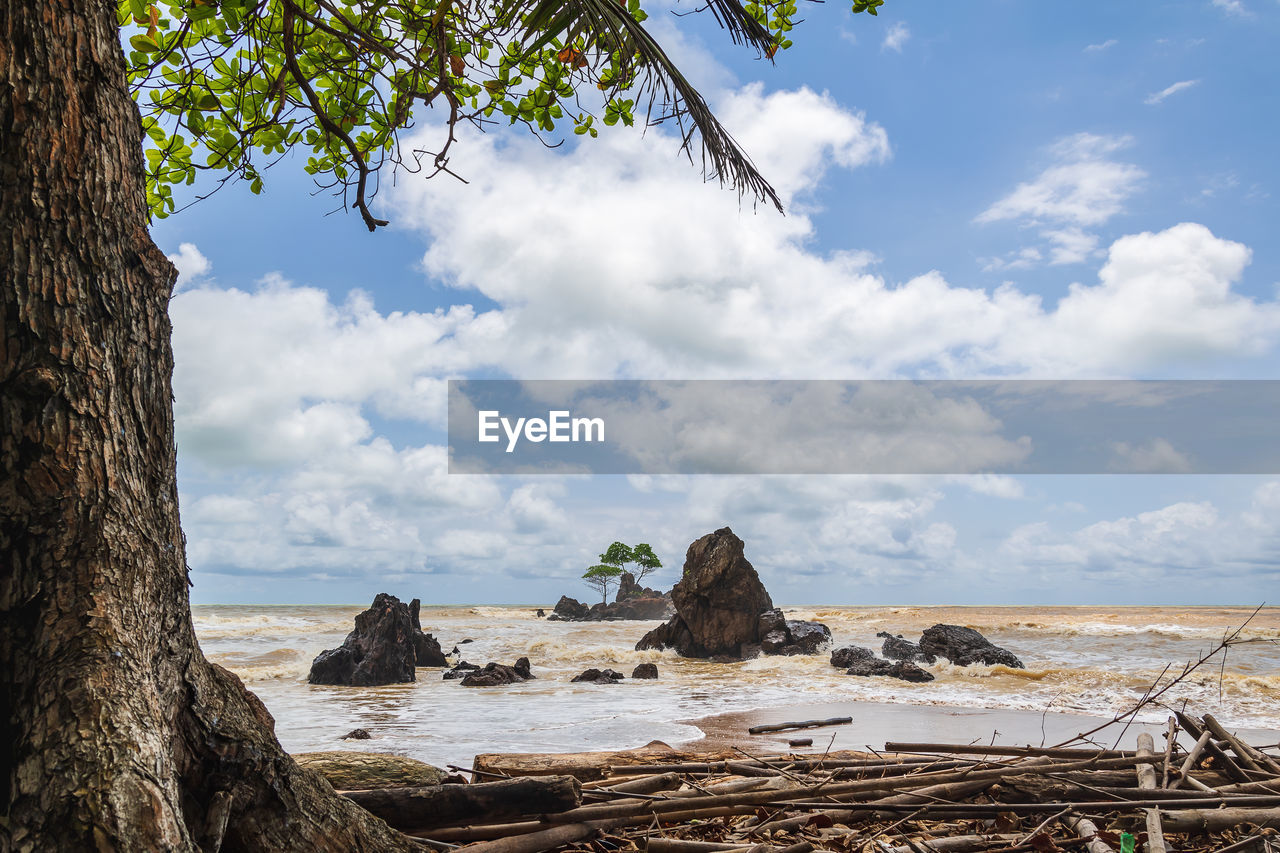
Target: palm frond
{"x":607,"y":25}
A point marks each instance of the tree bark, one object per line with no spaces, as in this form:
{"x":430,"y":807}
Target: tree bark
{"x":118,"y":735}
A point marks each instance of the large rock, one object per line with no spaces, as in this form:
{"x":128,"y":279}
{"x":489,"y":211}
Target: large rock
{"x":718,"y":601}
{"x":965,"y":646}
{"x":495,"y":674}
{"x":896,"y":648}
{"x":569,"y":610}
{"x":645,"y":670}
{"x":782,"y":636}
{"x":851,"y":656}
{"x":379,"y":651}
{"x":904,"y":670}
{"x":426,"y":648}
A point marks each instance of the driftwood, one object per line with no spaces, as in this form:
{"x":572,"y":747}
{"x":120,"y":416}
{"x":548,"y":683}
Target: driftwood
{"x":802,"y":724}
{"x":941,"y":798}
{"x":419,"y":809}
{"x":361,"y":771}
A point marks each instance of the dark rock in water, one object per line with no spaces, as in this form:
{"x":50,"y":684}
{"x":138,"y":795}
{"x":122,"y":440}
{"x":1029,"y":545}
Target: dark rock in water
{"x":570,"y":609}
{"x":460,"y":670}
{"x":850,"y":656}
{"x":645,"y":670}
{"x":896,"y":648}
{"x":495,"y":674}
{"x":642,"y":607}
{"x":965,"y":646}
{"x":808,"y":637}
{"x":379,"y":651}
{"x":455,"y":651}
{"x":718,"y":601}
{"x":468,"y":640}
{"x":904,"y":670}
{"x":425,"y":647}
{"x":541,"y":613}
{"x":357,"y":734}
{"x":596,"y":676}
{"x":782,"y":636}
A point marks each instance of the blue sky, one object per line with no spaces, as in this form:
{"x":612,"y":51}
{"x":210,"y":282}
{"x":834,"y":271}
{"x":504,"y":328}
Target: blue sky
{"x":974,"y":190}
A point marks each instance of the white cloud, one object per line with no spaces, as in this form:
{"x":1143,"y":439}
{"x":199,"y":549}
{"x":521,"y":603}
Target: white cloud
{"x":1232,"y":7}
{"x":1181,"y":86}
{"x":896,"y":37}
{"x":1071,"y":245}
{"x":192,"y":265}
{"x":1101,"y":46}
{"x":1156,"y":456}
{"x":1082,"y":188}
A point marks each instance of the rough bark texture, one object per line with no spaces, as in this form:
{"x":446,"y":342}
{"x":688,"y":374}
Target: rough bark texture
{"x":118,"y":734}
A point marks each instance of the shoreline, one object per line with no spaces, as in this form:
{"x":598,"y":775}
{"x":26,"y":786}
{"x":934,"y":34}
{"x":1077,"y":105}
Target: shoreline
{"x":876,"y":723}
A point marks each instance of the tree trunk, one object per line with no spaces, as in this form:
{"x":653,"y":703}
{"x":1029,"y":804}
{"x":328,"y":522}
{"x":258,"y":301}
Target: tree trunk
{"x":118,"y":735}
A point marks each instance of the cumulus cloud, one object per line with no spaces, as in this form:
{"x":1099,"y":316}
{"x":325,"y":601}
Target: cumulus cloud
{"x":1232,"y":7}
{"x":613,"y":260}
{"x":1158,"y":97}
{"x":192,"y":265}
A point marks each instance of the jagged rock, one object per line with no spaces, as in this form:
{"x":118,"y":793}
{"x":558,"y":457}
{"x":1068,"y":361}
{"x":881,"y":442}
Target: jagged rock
{"x":459,"y":671}
{"x":570,"y":609}
{"x":965,"y":646}
{"x":541,"y":614}
{"x":426,"y":648}
{"x":380,"y":650}
{"x":718,"y":601}
{"x":645,"y":670}
{"x":850,"y":656}
{"x":495,"y":674}
{"x":896,"y":648}
{"x":596,"y":676}
{"x":455,"y":651}
{"x":357,"y":734}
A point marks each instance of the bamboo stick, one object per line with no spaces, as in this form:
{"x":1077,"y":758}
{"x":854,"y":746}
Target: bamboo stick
{"x":1087,"y":828}
{"x":1192,"y":757}
{"x":801,"y":724}
{"x":985,"y":749}
{"x":1212,"y":820}
{"x":1253,"y":759}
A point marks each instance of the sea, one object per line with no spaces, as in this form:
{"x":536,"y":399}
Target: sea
{"x":1079,"y":660}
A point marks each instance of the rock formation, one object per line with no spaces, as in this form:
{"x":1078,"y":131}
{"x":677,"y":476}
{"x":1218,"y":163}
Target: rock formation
{"x":632,"y":602}
{"x":723,"y":610}
{"x":459,"y":671}
{"x":426,"y":648}
{"x":965,"y":646}
{"x":495,"y":674}
{"x":379,"y":651}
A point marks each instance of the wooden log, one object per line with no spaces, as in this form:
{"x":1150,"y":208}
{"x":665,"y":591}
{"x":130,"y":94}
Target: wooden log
{"x":680,"y":845}
{"x":419,"y":809}
{"x":800,"y":741}
{"x":643,"y":785}
{"x":952,"y":843}
{"x":1220,"y":757}
{"x":1170,"y":738}
{"x":1147,"y":781}
{"x":1087,"y":829}
{"x":1214,"y":820}
{"x":1192,"y":757}
{"x":536,"y":842}
{"x":1253,"y":759}
{"x":363,"y":771}
{"x":802,"y":724}
{"x":1014,"y":751}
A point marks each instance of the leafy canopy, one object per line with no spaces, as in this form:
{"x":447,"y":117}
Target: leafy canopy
{"x":231,"y":86}
{"x":601,"y":578}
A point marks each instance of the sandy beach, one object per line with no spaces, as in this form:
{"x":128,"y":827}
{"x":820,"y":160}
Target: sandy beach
{"x":877,"y":723}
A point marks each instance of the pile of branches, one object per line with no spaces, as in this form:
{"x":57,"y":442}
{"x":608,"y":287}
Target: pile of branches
{"x":1220,"y":794}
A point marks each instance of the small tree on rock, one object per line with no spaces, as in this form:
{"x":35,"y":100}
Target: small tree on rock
{"x":601,"y":578}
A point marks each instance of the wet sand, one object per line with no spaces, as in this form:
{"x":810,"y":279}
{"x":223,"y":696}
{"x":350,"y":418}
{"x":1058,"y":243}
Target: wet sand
{"x":875,"y":723}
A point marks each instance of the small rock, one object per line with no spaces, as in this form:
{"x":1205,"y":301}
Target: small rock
{"x":495,"y":674}
{"x":896,"y":648}
{"x":357,"y":734}
{"x":596,"y":676}
{"x":645,"y":670}
{"x":460,"y":671}
{"x":464,"y":642}
{"x":851,"y":655}
{"x":541,"y":614}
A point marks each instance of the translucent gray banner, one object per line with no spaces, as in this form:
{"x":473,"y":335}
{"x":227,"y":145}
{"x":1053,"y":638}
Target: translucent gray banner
{"x":864,"y":427}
